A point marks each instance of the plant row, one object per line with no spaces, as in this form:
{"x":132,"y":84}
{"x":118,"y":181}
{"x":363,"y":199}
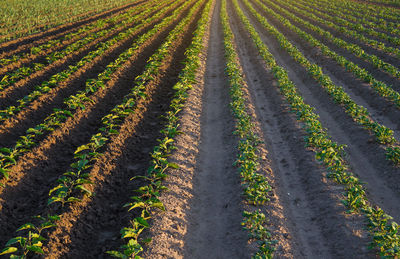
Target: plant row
{"x":357,"y":18}
{"x":255,"y":184}
{"x":54,"y":80}
{"x":354,"y":26}
{"x":78,"y":101}
{"x":22,"y":72}
{"x":371,"y":20}
{"x":353,"y":48}
{"x":73,"y":183}
{"x":381,"y":12}
{"x":380,"y":87}
{"x":146,"y":200}
{"x":24,"y":17}
{"x":389,"y":2}
{"x":76,"y":34}
{"x":331,"y":154}
{"x":379,"y":45}
{"x":359,"y":114}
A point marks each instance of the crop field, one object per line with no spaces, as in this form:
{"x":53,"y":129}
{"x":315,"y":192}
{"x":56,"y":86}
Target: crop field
{"x":200,"y":129}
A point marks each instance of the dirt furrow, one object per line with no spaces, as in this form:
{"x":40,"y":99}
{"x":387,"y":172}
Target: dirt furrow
{"x":314,"y":215}
{"x":24,"y":86}
{"x":382,"y":110}
{"x":55,"y":153}
{"x":16,"y":126}
{"x":60,"y":30}
{"x":42,"y":55}
{"x":169,"y":228}
{"x":372,"y":51}
{"x":377,"y":73}
{"x":24,"y":49}
{"x":96,"y":223}
{"x":365,"y":156}
{"x":215,"y":210}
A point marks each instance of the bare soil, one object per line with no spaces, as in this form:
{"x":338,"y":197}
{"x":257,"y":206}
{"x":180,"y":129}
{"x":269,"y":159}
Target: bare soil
{"x":55,"y":153}
{"x":34,"y":114}
{"x":365,"y":155}
{"x":11,"y":94}
{"x":64,"y":28}
{"x":204,"y":201}
{"x":368,"y":49}
{"x":215,"y":210}
{"x":313,"y":209}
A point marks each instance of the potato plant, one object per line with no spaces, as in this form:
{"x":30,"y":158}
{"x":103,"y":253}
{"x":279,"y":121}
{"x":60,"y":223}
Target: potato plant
{"x":54,"y":80}
{"x":383,"y":135}
{"x":146,"y":199}
{"x":255,"y":184}
{"x":356,"y":18}
{"x":82,"y":32}
{"x":9,"y":156}
{"x":355,"y":49}
{"x":24,"y":71}
{"x":20,"y":18}
{"x":72,"y":185}
{"x":331,"y":154}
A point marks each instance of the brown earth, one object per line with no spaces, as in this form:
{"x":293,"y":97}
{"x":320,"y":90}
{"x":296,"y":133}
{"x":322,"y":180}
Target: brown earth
{"x":366,"y":156}
{"x":26,"y":47}
{"x":204,"y":201}
{"x":368,"y":49}
{"x":34,"y":114}
{"x":41,"y":56}
{"x":377,"y":4}
{"x":54,"y":154}
{"x":23,"y":87}
{"x":308,"y":219}
{"x":10,"y":45}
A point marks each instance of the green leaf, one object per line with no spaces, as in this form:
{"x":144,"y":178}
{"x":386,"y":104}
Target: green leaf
{"x":83,"y":189}
{"x":26,"y":226}
{"x":46,"y":225}
{"x":53,"y":200}
{"x":142,"y":221}
{"x":73,"y":199}
{"x":35,"y":249}
{"x":8,"y":250}
{"x":117,"y":254}
{"x":79,"y":149}
{"x":158,"y":205}
{"x":137,"y":205}
{"x":55,"y":189}
{"x":14,"y":240}
{"x":4,"y":172}
{"x":5,"y":150}
{"x":173,"y":165}
{"x":53,"y":218}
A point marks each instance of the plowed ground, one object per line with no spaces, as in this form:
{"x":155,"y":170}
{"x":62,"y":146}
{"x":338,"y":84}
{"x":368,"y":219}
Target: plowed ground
{"x":204,"y":201}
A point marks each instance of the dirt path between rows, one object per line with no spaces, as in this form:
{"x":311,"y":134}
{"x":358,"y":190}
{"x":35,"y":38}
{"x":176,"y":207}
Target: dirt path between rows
{"x":204,"y":204}
{"x":318,"y":224}
{"x":62,"y":29}
{"x":216,"y":209}
{"x":365,"y":156}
